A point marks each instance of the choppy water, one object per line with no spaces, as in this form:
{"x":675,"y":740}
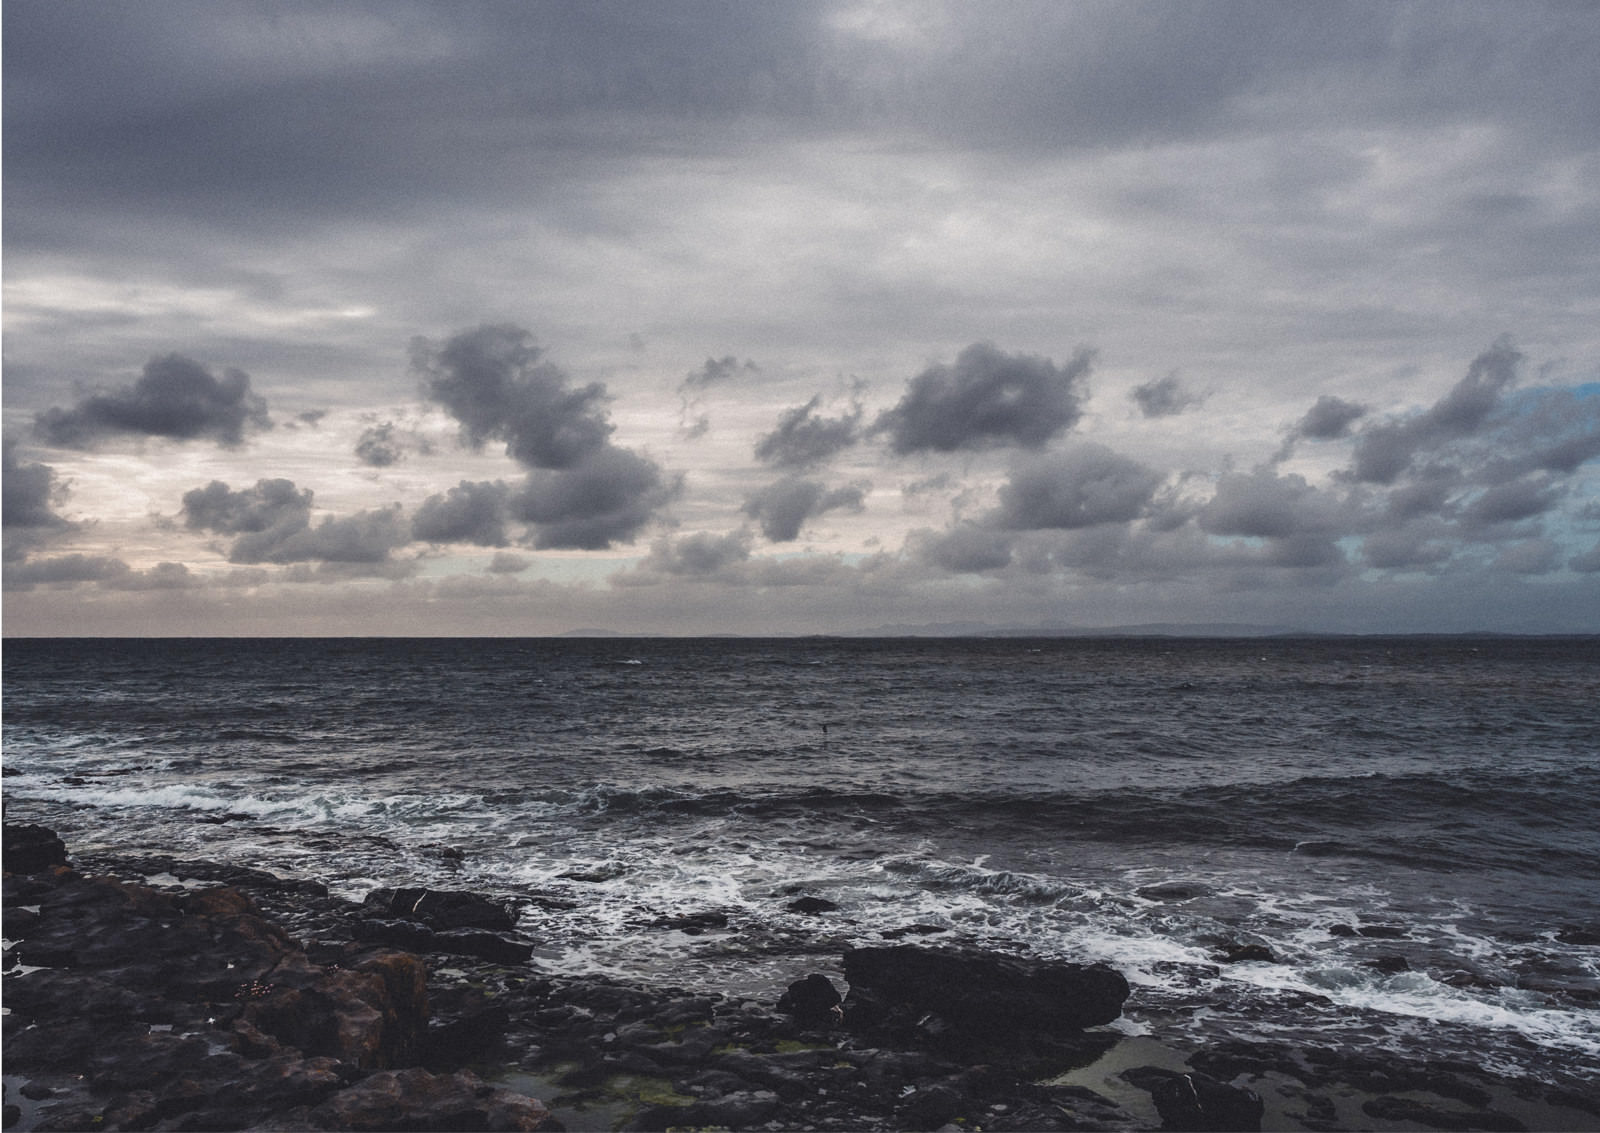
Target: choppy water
{"x":1143,"y":802}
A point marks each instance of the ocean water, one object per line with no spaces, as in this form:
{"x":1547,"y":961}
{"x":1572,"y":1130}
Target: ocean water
{"x":1409,"y":826}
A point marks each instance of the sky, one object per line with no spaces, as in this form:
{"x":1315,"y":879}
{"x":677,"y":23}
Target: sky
{"x":346,"y":318}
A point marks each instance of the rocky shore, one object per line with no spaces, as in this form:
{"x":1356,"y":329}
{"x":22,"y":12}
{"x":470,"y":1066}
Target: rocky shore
{"x":149,"y":993}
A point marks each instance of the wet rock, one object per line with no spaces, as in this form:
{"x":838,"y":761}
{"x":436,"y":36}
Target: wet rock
{"x":912,"y":930}
{"x":414,"y":1099}
{"x":1198,"y":1103}
{"x":460,"y":942}
{"x":813,"y":1002}
{"x":31,"y":849}
{"x":443,"y":909}
{"x":983,"y":997}
{"x":1389,"y":1108}
{"x":693,"y":924}
{"x":811,"y":905}
{"x":1241,"y":952}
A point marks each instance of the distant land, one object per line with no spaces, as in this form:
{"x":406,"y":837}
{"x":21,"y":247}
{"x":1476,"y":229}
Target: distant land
{"x":985,"y":629}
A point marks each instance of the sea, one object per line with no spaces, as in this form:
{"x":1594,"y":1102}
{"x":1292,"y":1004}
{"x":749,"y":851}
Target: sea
{"x":1386,"y":844}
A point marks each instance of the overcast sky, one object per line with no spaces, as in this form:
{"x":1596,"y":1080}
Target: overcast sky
{"x":670,"y":317}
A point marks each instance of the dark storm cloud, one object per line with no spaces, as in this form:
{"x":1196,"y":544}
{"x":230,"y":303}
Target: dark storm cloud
{"x":271,"y":504}
{"x":606,"y":499}
{"x":1164,"y":397}
{"x":1262,"y":504}
{"x":30,"y":491}
{"x":365,"y":538}
{"x":468,"y":513}
{"x":378,"y":446}
{"x":1385,"y":451}
{"x":1086,"y":485}
{"x":272,"y":522}
{"x":493,"y":382}
{"x":175,"y":397}
{"x":1329,"y":419}
{"x":804,"y":439}
{"x":988,"y":399}
{"x":1512,"y":502}
{"x":967,"y":548}
{"x":582,"y":492}
{"x":504,"y":562}
{"x":784,"y":507}
{"x":361,"y":108}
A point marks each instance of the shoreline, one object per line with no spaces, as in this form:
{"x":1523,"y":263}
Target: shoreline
{"x":228,"y":998}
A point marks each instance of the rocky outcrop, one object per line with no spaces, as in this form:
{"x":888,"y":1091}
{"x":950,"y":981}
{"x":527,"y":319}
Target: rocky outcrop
{"x":974,"y":997}
{"x":132,"y":1007}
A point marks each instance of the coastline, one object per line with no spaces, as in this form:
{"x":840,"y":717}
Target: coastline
{"x":162,"y":994}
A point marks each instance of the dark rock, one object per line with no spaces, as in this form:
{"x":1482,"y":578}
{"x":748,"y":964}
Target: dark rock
{"x":983,"y":996}
{"x":1198,"y":1103}
{"x":1586,"y":935}
{"x":1390,"y":964}
{"x":1389,"y":1108}
{"x":912,"y":930}
{"x":417,"y":1100}
{"x":811,"y":905}
{"x":460,"y":942}
{"x":692,"y":924}
{"x":443,"y":908}
{"x":813,"y":1001}
{"x":31,"y":849}
{"x":932,"y":1106}
{"x":1238,"y":952}
{"x":1174,"y":891}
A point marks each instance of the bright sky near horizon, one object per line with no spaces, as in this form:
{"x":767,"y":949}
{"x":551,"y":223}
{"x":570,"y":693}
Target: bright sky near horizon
{"x":699,"y":317}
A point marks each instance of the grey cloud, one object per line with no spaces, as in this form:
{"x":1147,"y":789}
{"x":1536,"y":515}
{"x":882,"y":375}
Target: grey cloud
{"x":468,"y":513}
{"x":492,"y":381}
{"x":1164,"y":397}
{"x":162,"y":576}
{"x":1404,"y":549}
{"x":29,"y":493}
{"x":1510,"y":503}
{"x":378,"y":446}
{"x":966,"y":548}
{"x":803,"y":439}
{"x":1384,"y":452}
{"x":1587,"y":562}
{"x":693,"y":423}
{"x":1086,"y":485}
{"x":272,"y":522}
{"x":701,"y":554}
{"x":63,"y":569}
{"x":1329,"y":419}
{"x":504,"y":562}
{"x":718,"y":370}
{"x":606,"y":499}
{"x":175,"y":397}
{"x":784,"y":507}
{"x":1530,"y":556}
{"x":1262,"y":504}
{"x":582,"y":491}
{"x":270,"y":505}
{"x":988,"y":399}
{"x":364,"y":538}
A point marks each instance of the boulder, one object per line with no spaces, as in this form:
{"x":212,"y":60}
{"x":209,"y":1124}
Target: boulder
{"x":30,"y":848}
{"x":813,"y":1001}
{"x":981,"y":996}
{"x":1198,"y":1103}
{"x":443,"y":908}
